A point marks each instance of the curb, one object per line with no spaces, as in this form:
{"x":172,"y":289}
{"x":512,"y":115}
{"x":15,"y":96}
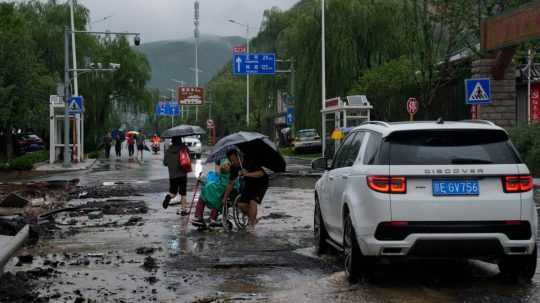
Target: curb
{"x":63,"y":170}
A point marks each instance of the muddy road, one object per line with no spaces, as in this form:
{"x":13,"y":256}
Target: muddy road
{"x":119,"y":245}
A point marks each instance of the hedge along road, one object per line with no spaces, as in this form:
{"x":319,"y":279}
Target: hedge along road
{"x":121,"y":246}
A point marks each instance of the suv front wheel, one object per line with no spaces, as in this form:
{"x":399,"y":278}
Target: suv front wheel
{"x":320,"y":235}
{"x":519,"y":268}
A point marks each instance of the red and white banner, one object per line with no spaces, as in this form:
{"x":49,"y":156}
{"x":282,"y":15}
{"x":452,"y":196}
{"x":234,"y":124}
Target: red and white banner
{"x":239,"y":49}
{"x":535,"y":102}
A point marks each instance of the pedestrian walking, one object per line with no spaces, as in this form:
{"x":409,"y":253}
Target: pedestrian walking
{"x":140,"y":140}
{"x":174,"y":160}
{"x":131,"y":145}
{"x":107,"y":142}
{"x":118,"y":138}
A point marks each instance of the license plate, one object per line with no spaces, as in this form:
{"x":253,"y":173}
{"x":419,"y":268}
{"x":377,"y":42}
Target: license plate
{"x":456,"y":188}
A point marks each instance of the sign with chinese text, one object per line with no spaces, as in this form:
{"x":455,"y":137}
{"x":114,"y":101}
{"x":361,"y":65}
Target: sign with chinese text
{"x":190,"y":95}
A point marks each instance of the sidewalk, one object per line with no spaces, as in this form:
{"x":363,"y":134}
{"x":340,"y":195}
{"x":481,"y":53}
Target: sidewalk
{"x":58,"y":167}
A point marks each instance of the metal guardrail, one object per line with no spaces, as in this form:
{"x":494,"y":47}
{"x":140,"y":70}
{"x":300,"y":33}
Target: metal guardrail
{"x":10,"y":245}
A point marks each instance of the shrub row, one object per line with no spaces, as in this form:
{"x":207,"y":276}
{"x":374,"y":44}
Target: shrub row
{"x":25,"y":162}
{"x":527,"y":140}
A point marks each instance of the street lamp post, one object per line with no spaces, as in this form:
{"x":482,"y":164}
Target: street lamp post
{"x":182,"y":84}
{"x":247,"y":75}
{"x":172,"y":99}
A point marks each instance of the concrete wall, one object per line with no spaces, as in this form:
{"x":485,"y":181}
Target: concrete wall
{"x":502,"y":111}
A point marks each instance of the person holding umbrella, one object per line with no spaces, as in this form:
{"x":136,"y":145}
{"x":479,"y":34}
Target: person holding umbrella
{"x":255,"y":184}
{"x":173,"y":158}
{"x":177,"y":174}
{"x":258,"y":152}
{"x":131,"y":143}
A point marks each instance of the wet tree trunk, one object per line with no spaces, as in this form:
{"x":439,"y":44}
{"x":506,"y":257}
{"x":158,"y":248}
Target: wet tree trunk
{"x":9,"y":142}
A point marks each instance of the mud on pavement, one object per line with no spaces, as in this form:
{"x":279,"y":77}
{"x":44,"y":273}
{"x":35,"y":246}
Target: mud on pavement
{"x":114,"y":243}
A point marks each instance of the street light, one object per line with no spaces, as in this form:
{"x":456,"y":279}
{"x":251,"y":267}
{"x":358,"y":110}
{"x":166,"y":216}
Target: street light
{"x":247,"y":75}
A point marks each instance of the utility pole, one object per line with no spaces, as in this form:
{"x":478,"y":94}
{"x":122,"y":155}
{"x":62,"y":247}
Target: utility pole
{"x":323,"y":76}
{"x":182,"y":84}
{"x":77,"y":121}
{"x":247,"y":78}
{"x":67,"y":158}
{"x":196,"y":34}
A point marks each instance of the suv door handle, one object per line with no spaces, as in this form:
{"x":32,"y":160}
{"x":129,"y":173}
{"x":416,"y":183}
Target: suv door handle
{"x":345,"y":177}
{"x":331,"y":177}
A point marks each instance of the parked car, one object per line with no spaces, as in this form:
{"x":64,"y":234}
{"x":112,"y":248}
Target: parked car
{"x":307,"y":140}
{"x":195,"y":146}
{"x":427,"y":190}
{"x":27,"y":142}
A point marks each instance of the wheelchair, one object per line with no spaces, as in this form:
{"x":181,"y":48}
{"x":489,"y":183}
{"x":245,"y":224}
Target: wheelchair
{"x":232,"y":213}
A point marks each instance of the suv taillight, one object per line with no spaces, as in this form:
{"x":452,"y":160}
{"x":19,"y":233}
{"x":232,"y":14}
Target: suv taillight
{"x":517,"y":184}
{"x":390,"y":185}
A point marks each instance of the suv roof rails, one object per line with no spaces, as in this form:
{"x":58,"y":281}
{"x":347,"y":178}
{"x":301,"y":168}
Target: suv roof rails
{"x":381,"y":123}
{"x":480,"y":121}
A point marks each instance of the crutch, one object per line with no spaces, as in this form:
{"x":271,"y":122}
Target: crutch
{"x":193,"y":199}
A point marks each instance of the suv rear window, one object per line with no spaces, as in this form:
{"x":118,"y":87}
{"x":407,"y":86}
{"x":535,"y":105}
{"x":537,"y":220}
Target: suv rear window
{"x":447,"y":147}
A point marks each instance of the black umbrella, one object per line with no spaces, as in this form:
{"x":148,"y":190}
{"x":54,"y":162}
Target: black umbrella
{"x":257,"y":147}
{"x":183,"y":131}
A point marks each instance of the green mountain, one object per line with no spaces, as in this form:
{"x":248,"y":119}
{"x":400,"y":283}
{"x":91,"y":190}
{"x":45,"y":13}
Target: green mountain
{"x":175,"y":58}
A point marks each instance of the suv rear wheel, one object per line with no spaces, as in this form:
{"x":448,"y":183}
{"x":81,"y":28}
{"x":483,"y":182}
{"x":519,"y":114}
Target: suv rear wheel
{"x":356,"y":264}
{"x":519,"y":268}
{"x":319,"y":230}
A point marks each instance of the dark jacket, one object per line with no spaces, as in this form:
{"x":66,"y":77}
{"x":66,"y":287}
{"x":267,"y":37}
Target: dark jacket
{"x":170,"y":159}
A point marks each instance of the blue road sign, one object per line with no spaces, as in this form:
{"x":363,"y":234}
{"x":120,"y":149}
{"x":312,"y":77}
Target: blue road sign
{"x":290,"y":115}
{"x":254,"y":64}
{"x":76,"y":105}
{"x":167,"y":108}
{"x":174,"y":108}
{"x":477,"y":91}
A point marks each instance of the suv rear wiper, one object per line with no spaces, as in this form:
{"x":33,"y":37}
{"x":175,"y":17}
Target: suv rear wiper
{"x":470,"y":161}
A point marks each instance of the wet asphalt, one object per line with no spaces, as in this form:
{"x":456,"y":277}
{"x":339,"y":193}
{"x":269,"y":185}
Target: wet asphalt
{"x":134,"y":254}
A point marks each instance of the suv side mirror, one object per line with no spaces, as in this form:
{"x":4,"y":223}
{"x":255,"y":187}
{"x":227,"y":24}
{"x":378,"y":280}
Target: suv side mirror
{"x":320,"y":164}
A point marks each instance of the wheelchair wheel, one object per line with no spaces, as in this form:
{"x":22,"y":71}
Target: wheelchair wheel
{"x":240,"y":219}
{"x":227,"y":216}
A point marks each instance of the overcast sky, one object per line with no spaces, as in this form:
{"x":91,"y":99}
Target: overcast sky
{"x":173,"y":19}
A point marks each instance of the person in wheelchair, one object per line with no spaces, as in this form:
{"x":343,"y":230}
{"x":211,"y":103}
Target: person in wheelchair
{"x":212,"y":193}
{"x":254,"y":183}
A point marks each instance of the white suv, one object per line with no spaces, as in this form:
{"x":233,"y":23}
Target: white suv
{"x":429,"y":190}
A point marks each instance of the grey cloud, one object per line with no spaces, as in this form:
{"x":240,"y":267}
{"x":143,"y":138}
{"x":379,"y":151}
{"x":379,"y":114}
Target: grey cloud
{"x":173,"y":19}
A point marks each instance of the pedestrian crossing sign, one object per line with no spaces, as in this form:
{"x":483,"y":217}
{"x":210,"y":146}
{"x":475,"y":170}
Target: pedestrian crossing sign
{"x":75,"y":105}
{"x":477,"y":91}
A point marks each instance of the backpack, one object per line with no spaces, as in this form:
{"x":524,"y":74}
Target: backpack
{"x":184,"y":160}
